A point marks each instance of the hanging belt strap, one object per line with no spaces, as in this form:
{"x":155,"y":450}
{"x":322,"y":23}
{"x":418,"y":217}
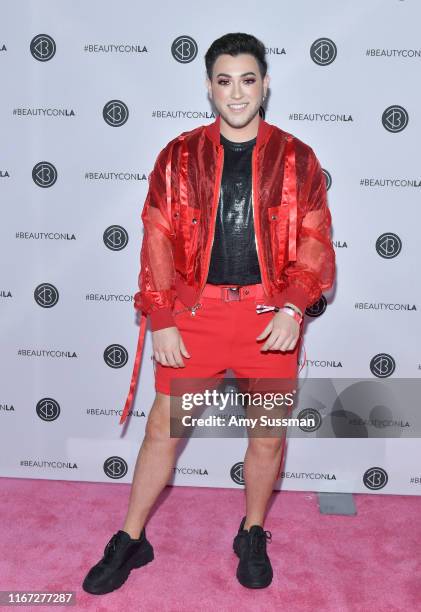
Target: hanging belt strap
{"x":136,"y":367}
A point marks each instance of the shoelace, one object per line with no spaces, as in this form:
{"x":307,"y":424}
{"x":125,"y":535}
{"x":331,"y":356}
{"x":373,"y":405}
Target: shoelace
{"x":258,"y":540}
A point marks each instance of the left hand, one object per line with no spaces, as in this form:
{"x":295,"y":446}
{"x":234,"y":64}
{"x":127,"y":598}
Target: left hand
{"x":284,"y":332}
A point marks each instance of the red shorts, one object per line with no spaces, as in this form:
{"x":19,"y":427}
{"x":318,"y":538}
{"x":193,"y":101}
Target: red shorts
{"x":222,"y":335}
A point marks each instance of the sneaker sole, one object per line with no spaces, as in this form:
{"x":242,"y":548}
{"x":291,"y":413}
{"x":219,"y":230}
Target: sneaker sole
{"x":254,"y":585}
{"x":145,"y":558}
{"x":251,"y":585}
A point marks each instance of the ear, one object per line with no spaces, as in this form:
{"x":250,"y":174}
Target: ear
{"x":209,"y":86}
{"x":266,"y":81}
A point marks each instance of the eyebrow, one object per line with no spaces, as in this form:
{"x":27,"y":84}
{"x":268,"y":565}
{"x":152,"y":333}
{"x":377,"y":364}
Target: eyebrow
{"x":228,"y":75}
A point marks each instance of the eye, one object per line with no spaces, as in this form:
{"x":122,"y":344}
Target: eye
{"x":223,"y":82}
{"x":250,"y":81}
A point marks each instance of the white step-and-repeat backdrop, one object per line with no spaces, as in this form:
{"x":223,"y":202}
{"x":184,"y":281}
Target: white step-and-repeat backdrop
{"x":92,"y":91}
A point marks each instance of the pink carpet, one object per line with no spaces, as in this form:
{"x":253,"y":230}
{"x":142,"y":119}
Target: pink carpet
{"x":53,"y":531}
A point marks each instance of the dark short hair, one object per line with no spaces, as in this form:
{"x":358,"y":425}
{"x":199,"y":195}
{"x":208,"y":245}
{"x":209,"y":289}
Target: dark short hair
{"x":234,"y":44}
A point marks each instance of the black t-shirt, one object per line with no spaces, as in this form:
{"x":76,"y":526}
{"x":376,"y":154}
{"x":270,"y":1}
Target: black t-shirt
{"x":234,"y":258}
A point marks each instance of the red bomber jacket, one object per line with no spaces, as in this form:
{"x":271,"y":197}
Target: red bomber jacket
{"x":291,"y":217}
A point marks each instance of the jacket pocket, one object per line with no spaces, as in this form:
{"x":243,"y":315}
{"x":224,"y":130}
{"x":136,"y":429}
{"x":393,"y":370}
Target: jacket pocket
{"x":176,"y":218}
{"x":278,"y":231}
{"x":193,"y":221}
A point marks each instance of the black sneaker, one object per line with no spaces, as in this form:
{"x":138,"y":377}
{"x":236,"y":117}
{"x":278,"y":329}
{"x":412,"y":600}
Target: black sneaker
{"x":254,"y":569}
{"x":121,"y":555}
{"x":240,"y":540}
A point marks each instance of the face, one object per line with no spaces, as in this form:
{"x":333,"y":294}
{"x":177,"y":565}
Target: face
{"x":237,"y":88}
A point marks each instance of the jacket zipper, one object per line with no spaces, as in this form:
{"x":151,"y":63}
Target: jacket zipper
{"x":256,"y":226}
{"x":220,"y":162}
{"x":176,"y":312}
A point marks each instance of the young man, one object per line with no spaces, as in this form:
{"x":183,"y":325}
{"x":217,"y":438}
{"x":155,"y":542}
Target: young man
{"x":235,"y":221}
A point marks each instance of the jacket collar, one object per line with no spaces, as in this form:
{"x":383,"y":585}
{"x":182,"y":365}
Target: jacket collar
{"x":213,"y":131}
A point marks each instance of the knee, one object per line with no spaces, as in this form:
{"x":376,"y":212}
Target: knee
{"x":157,"y":429}
{"x":158,"y":424}
{"x":265,"y":446}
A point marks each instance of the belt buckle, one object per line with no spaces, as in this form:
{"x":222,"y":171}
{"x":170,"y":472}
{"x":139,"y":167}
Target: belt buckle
{"x":232,"y":293}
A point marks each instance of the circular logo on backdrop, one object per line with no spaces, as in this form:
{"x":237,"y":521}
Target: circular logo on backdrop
{"x":323,"y":51}
{"x":318,"y":308}
{"x":116,"y":356}
{"x":388,"y":245}
{"x":44,"y":174}
{"x":46,"y":295}
{"x":310,"y":413}
{"x":115,"y":113}
{"x":375,"y":478}
{"x":328,"y":179}
{"x":382,"y":365}
{"x":42,"y":47}
{"x":48,"y":409}
{"x":115,"y":467}
{"x":115,"y":237}
{"x":236,"y":473}
{"x":395,"y":118}
{"x":184,"y":49}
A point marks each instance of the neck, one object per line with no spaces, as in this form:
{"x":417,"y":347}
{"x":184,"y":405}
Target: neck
{"x":248,"y":132}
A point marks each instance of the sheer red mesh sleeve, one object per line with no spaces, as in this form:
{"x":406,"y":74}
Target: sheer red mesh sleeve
{"x":156,"y":279}
{"x":314,"y":269}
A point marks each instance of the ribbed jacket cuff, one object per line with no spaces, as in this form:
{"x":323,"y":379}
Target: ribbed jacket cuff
{"x":162,"y":317}
{"x":293,"y":294}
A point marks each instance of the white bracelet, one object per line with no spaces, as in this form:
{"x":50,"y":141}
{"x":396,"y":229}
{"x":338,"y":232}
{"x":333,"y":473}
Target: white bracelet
{"x":288,"y":305}
{"x":292,"y":313}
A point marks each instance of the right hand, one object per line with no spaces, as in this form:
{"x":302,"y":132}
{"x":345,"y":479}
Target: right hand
{"x":168,"y":346}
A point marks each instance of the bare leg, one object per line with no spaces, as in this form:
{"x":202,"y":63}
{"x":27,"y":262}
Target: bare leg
{"x":154,"y":464}
{"x":261,"y":467}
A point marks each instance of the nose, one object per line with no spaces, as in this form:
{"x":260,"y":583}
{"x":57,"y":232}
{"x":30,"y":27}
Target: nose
{"x":236,"y":93}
